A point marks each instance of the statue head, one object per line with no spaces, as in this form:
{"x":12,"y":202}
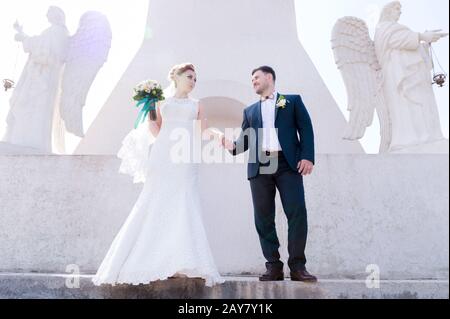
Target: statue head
{"x":56,"y":16}
{"x":391,"y":12}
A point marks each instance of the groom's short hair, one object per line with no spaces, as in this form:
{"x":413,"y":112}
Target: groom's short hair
{"x":267,"y":70}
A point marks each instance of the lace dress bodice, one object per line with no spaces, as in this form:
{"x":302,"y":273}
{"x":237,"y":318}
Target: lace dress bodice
{"x":179,"y":110}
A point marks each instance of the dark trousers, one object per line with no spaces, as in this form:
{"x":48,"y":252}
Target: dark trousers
{"x":290,"y":186}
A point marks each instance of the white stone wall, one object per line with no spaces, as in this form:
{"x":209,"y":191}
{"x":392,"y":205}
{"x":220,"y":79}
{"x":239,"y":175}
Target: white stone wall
{"x":392,"y":211}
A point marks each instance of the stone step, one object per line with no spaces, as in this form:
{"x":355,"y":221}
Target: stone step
{"x":58,"y":286}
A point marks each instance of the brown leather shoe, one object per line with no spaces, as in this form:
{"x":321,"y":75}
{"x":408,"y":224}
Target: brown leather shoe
{"x":272,"y":275}
{"x":302,"y":275}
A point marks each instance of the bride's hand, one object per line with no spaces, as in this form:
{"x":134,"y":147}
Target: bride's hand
{"x":216,"y":133}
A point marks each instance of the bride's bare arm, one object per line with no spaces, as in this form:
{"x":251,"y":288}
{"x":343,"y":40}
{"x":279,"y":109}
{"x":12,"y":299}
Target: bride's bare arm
{"x":204,"y":124}
{"x":155,"y":126}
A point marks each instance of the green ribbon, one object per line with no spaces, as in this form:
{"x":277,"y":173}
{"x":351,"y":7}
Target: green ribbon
{"x":148,"y":105}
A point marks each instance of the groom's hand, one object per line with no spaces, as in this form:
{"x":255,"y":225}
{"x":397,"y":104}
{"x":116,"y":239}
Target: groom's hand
{"x":305,"y":167}
{"x":227,"y":144}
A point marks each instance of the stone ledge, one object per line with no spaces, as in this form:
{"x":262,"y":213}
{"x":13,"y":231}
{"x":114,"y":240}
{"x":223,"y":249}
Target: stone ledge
{"x":53,"y":286}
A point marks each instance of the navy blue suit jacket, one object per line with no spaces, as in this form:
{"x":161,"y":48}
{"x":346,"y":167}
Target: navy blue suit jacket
{"x":295,"y":133}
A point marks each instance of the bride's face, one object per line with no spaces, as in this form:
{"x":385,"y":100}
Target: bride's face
{"x":186,"y":82}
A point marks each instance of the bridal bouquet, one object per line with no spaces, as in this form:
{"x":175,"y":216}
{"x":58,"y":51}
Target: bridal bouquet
{"x":147,"y":94}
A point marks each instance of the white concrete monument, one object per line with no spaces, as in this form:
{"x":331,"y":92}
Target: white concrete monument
{"x":52,"y":90}
{"x":225,"y":40}
{"x":391,"y":74}
{"x":394,"y":217}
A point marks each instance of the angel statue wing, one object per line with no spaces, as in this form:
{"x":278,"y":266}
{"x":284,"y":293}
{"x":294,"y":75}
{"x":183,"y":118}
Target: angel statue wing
{"x":88,"y":51}
{"x":355,"y":56}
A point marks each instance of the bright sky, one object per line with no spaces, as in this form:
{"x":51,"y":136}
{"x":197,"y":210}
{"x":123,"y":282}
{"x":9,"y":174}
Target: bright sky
{"x":315,"y":22}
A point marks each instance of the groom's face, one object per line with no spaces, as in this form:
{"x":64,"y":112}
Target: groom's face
{"x":261,"y":82}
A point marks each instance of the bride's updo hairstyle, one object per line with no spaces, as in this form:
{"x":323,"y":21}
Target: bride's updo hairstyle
{"x":178,"y":70}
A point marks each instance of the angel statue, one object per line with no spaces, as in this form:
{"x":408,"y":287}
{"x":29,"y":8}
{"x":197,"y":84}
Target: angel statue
{"x":391,"y":75}
{"x":52,"y":90}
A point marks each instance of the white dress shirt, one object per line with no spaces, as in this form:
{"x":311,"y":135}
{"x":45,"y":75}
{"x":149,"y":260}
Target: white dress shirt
{"x":270,"y":140}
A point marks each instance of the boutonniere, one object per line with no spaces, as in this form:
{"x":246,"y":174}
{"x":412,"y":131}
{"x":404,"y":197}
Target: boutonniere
{"x":282,"y":102}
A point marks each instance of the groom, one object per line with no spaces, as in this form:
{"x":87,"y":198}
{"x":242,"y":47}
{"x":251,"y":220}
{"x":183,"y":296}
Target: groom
{"x":279,"y":161}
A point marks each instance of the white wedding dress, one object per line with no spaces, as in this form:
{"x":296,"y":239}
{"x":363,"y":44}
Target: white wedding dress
{"x":164,"y":235}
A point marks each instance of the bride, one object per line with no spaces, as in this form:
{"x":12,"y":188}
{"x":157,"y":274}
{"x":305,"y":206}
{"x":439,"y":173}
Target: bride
{"x":164,"y":235}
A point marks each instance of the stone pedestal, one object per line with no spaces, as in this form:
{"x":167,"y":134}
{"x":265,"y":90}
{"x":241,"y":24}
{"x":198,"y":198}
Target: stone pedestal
{"x":391,"y":211}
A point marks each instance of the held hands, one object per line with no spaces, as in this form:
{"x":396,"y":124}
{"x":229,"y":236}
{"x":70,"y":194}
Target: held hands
{"x":432,"y":36}
{"x":226,"y":143}
{"x":305,"y":167}
{"x":220,"y":136}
